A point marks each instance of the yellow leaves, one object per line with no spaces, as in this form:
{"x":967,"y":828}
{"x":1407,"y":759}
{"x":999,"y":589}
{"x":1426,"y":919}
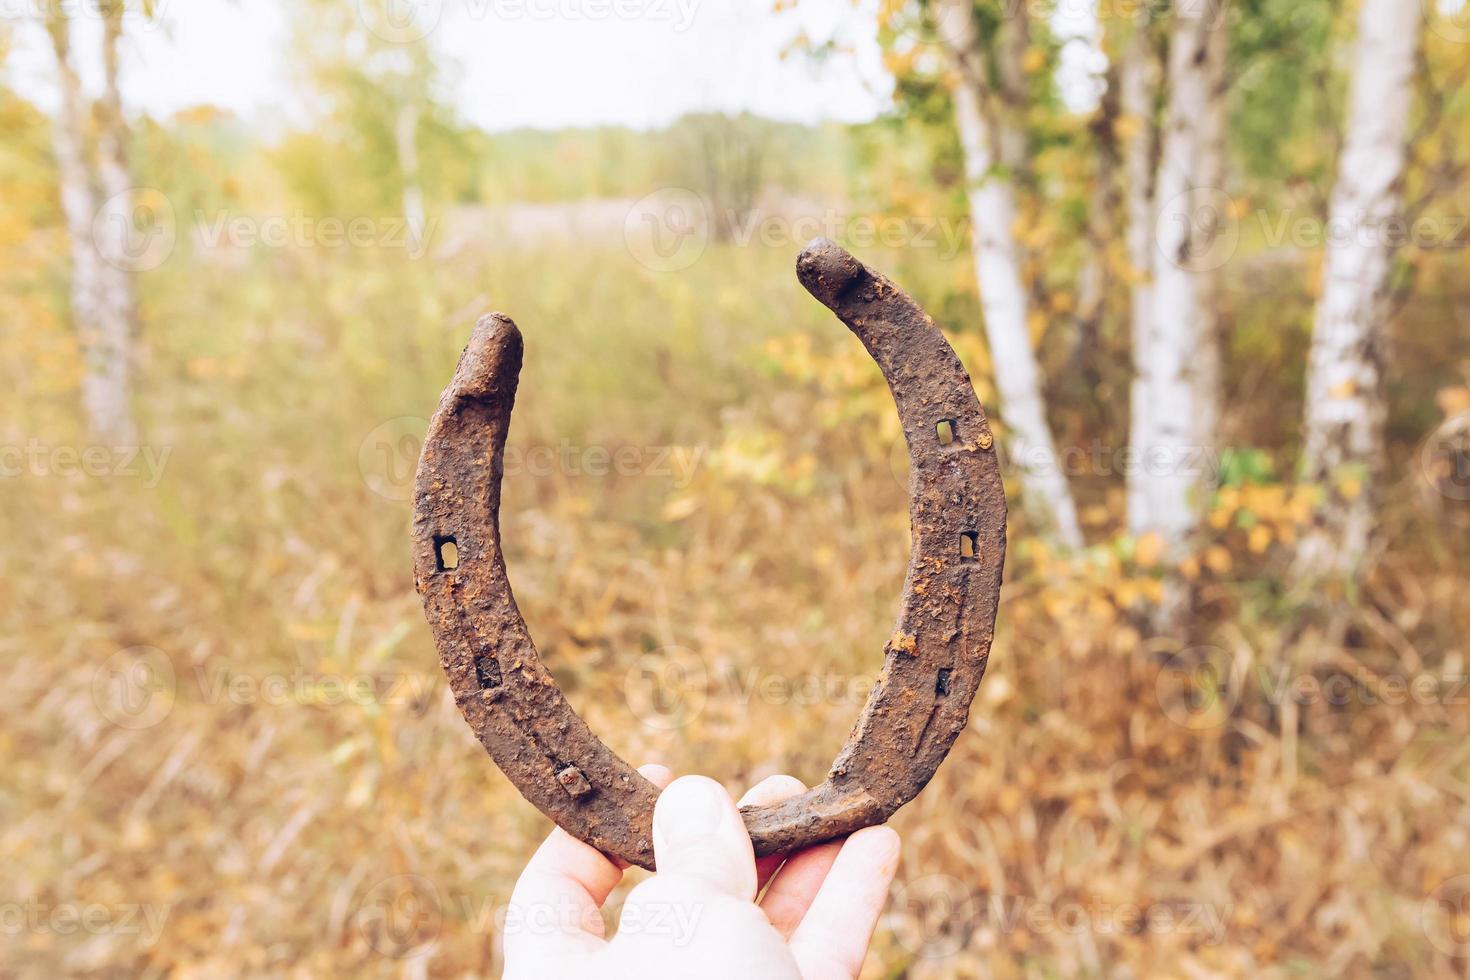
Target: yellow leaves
{"x":1301,"y":505}
{"x":1314,"y":272}
{"x":1453,"y":401}
{"x":1034,"y":60}
{"x":1035,"y":324}
{"x":1350,"y":487}
{"x":1127,"y":126}
{"x":1148,"y":550}
{"x":678,"y":508}
{"x":899,"y":63}
{"x":1217,"y":558}
{"x":1260,"y":538}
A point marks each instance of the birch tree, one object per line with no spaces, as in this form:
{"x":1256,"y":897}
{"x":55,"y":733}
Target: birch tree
{"x":993,"y":140}
{"x":101,"y":306}
{"x":1176,"y":358}
{"x":406,"y":142}
{"x":1138,"y":94}
{"x":378,"y":78}
{"x":1343,"y":438}
{"x":112,"y":227}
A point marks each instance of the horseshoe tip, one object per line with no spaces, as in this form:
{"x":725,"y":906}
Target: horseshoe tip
{"x":496,"y":323}
{"x":826,"y":269}
{"x":494,"y":351}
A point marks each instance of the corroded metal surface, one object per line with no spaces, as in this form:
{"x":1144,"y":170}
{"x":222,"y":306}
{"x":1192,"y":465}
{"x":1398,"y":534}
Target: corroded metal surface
{"x":932,"y":663}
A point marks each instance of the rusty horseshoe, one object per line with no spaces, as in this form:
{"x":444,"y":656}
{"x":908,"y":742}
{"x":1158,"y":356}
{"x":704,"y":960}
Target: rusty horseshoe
{"x":932,"y":663}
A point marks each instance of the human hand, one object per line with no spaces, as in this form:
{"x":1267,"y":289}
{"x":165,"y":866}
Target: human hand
{"x":713,"y":909}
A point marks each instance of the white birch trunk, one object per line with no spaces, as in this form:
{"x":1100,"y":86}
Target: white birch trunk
{"x":1138,"y":85}
{"x":1177,"y":369}
{"x":1094,"y":278}
{"x":406,"y":136}
{"x":105,"y":366}
{"x":1345,"y":412}
{"x":1003,"y":297}
{"x":113,"y":237}
{"x":1209,"y":367}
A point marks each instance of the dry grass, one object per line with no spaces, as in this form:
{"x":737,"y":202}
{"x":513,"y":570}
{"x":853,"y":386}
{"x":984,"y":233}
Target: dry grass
{"x":271,"y":824}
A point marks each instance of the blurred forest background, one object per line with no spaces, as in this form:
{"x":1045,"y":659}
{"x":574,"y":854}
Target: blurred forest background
{"x":1223,"y":731}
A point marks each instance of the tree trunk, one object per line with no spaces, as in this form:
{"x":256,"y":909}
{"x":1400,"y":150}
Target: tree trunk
{"x":406,"y":129}
{"x":1138,"y":84}
{"x":1345,"y":412}
{"x":1177,"y":361}
{"x":105,"y":359}
{"x":1094,"y":279}
{"x":113,"y":228}
{"x":1209,"y":367}
{"x":1045,"y":491}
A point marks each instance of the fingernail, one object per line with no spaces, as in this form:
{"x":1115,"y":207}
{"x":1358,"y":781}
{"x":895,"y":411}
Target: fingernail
{"x":689,"y":810}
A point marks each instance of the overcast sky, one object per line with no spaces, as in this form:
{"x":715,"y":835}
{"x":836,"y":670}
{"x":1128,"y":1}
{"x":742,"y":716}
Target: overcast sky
{"x":547,"y":63}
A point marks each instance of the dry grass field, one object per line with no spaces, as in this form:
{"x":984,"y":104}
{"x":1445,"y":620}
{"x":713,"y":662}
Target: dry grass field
{"x":229,"y":749}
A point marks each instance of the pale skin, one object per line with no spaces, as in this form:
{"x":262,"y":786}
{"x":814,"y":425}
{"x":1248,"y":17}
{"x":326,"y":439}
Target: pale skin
{"x":712,"y":909}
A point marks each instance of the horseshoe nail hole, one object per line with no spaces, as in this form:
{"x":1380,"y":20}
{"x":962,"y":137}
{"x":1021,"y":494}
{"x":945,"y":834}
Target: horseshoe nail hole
{"x":969,"y":546}
{"x":487,"y":669}
{"x":945,"y":431}
{"x":446,"y":553}
{"x":941,"y":683}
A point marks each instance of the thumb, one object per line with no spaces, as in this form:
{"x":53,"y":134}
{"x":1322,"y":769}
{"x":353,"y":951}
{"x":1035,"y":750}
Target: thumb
{"x":697,"y":831}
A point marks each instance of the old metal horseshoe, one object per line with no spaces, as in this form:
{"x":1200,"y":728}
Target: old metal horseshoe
{"x":932,"y":664}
